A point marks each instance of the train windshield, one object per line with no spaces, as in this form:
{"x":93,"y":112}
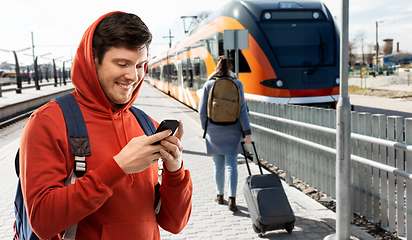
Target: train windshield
{"x":301,"y":43}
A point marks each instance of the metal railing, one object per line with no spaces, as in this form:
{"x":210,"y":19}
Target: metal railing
{"x":302,"y":140}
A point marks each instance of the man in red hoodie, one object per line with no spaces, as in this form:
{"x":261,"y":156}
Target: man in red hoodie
{"x":115,"y":198}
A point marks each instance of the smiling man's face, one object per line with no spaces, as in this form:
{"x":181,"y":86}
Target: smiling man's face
{"x":120,"y":72}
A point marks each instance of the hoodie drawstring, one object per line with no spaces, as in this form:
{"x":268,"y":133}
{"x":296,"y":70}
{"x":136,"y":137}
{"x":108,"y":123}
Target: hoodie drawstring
{"x":115,"y":130}
{"x":132,"y":176}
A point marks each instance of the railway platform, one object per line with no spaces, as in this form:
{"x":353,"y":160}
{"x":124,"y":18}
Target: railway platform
{"x":209,"y":220}
{"x":12,"y":103}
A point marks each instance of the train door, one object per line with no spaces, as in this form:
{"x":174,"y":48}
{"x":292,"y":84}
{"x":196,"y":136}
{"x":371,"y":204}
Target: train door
{"x":180,"y":86}
{"x":168,"y":78}
{"x":188,"y":75}
{"x":161,"y":77}
{"x":196,"y":73}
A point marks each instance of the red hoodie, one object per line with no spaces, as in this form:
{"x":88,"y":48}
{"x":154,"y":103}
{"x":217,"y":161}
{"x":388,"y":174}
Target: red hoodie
{"x":105,"y":202}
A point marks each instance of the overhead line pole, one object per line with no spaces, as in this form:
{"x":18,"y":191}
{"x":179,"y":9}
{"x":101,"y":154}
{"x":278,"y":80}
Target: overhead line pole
{"x":184,"y":22}
{"x":170,"y":38}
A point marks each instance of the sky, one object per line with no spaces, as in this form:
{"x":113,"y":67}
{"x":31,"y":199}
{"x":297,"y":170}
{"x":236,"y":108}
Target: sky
{"x":57,"y":25}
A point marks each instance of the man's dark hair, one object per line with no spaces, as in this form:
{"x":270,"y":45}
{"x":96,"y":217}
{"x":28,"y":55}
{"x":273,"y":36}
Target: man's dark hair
{"x":120,"y":30}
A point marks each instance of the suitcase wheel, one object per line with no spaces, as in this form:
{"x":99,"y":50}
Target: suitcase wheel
{"x":290,"y":227}
{"x":260,"y":231}
{"x":256,"y":229}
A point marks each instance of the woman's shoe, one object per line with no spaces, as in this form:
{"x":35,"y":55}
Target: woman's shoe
{"x":232,"y":204}
{"x":219,"y":199}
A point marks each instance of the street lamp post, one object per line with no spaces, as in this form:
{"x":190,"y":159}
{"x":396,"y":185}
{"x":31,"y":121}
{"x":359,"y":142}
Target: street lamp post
{"x":18,"y":76}
{"x":36,"y":75}
{"x":377,"y":47}
{"x":343,"y":135}
{"x":64,"y":71}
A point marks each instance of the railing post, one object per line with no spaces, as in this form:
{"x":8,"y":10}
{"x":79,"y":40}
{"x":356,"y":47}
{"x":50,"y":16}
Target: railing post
{"x":408,"y":167}
{"x":288,"y":153}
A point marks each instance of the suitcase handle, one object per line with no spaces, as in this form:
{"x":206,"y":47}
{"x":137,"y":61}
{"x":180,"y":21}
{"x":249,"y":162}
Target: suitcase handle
{"x":257,"y":157}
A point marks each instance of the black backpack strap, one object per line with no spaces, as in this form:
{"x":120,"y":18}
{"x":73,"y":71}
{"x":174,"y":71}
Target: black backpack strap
{"x":149,"y":128}
{"x":204,"y":132}
{"x":77,"y":131}
{"x":79,"y":143}
{"x":144,"y":120}
{"x":17,"y":163}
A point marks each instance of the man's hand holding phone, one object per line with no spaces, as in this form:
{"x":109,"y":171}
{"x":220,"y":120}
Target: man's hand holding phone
{"x":172,"y":151}
{"x":142,"y":152}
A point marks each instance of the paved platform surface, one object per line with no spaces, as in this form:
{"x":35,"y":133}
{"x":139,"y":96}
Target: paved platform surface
{"x":12,"y":103}
{"x":29,"y":92}
{"x":401,"y":105}
{"x":209,"y":220}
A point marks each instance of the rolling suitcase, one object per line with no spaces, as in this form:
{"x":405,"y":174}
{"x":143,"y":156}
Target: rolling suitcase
{"x":268,"y":205}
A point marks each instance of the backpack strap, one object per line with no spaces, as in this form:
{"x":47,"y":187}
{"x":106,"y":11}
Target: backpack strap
{"x":149,"y":128}
{"x":77,"y":131}
{"x":79,"y":144}
{"x":145,"y":121}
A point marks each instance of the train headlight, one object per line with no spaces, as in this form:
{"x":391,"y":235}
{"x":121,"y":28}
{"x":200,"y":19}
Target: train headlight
{"x":279,"y":83}
{"x":337,"y":81}
{"x":267,"y":16}
{"x":315,"y":15}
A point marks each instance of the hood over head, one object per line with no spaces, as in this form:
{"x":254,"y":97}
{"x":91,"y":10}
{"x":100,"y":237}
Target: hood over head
{"x":84,"y":76}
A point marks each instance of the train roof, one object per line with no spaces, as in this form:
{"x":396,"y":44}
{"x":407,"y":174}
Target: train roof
{"x":255,"y":8}
{"x":258,"y":6}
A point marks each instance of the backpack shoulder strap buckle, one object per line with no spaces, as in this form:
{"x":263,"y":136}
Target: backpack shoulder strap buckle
{"x":80,"y":166}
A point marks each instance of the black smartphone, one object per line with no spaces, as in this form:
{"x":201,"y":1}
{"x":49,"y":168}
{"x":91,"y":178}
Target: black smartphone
{"x":167,"y":124}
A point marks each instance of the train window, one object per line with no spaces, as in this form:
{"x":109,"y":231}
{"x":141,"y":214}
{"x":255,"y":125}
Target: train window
{"x":302,"y":43}
{"x":221,"y":50}
{"x":190,"y":78}
{"x":243,"y":65}
{"x":184,"y":76}
{"x":166,"y":73}
{"x":174,"y":76}
{"x":157,"y":73}
{"x":197,"y":67}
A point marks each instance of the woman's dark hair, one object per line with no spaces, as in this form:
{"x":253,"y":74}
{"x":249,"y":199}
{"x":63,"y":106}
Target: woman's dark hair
{"x":222,"y":66}
{"x":120,"y":30}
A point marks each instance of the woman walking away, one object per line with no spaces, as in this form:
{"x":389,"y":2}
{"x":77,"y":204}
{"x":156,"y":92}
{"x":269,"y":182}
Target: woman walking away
{"x":223,"y":139}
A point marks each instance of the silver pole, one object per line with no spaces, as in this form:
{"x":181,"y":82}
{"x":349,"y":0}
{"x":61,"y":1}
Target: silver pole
{"x":236,"y":53}
{"x":377,"y":49}
{"x":343,"y":177}
{"x":32,"y":44}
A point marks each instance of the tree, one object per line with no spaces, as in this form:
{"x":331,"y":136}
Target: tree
{"x":370,"y":55}
{"x":360,"y":37}
{"x":352,"y":57}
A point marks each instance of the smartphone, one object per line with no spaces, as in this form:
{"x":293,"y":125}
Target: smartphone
{"x":167,"y":124}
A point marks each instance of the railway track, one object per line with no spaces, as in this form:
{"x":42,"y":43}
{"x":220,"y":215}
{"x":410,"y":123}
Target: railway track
{"x":15,"y":119}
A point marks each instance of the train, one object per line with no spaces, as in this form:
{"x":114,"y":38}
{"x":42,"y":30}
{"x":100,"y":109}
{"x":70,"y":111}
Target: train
{"x":12,"y":75}
{"x":5,"y":74}
{"x":293,"y":54}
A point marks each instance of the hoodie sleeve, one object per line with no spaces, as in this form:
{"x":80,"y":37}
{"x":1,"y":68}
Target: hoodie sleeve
{"x":176,"y":196}
{"x":45,"y":163}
